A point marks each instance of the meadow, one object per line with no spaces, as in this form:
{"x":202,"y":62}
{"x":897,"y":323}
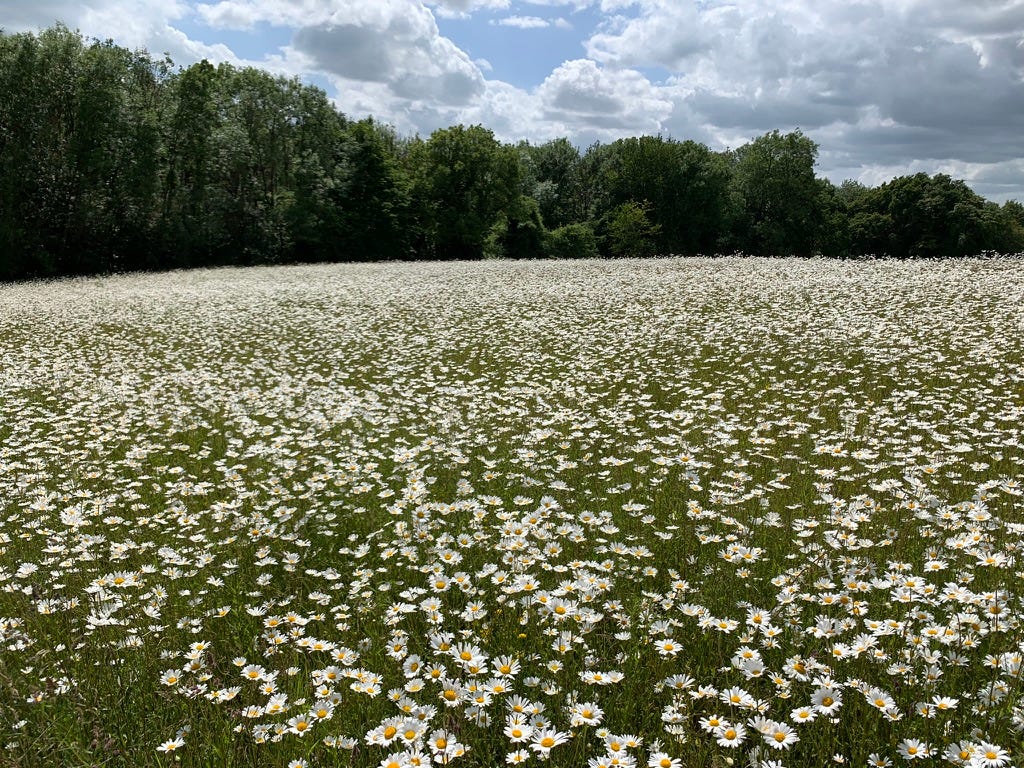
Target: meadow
{"x":665,"y":513}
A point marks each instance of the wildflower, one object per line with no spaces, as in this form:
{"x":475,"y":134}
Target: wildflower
{"x":730,"y":735}
{"x":990,"y":756}
{"x":171,"y":744}
{"x":826,"y":700}
{"x":585,"y":714}
{"x":780,"y":736}
{"x":913,"y":749}
{"x":517,"y":732}
{"x":712,"y":723}
{"x":545,"y":739}
{"x":662,"y":760}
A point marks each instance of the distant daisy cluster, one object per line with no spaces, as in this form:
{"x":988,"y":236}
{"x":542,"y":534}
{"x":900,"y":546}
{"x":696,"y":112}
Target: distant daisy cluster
{"x":668,"y":513}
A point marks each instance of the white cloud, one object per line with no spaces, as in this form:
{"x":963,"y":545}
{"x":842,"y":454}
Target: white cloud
{"x":133,"y":23}
{"x":395,"y":42}
{"x":464,"y":8}
{"x":667,"y":32}
{"x":879,"y":80}
{"x":522,"y":22}
{"x":582,"y":95}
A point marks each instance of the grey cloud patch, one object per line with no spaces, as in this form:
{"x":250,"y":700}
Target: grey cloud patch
{"x":765,"y":115}
{"x":604,"y":123}
{"x":407,"y":55}
{"x":580,"y":101}
{"x":450,"y":88}
{"x":581,"y":95}
{"x":21,"y":16}
{"x":347,"y":50}
{"x":945,"y":86}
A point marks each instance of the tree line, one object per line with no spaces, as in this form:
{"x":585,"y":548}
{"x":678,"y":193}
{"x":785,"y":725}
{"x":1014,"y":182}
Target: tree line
{"x":114,"y":160}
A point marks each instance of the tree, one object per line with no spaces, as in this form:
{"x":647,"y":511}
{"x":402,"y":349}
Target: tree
{"x":573,"y":241}
{"x":780,"y":202}
{"x":373,"y":197}
{"x":552,"y":169}
{"x":686,"y":187}
{"x":189,"y":171}
{"x":519,"y":232}
{"x":922,"y":216}
{"x":464,"y":180}
{"x":630,"y":232}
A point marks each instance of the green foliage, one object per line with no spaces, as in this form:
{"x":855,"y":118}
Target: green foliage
{"x":464,"y":180}
{"x":686,"y":187}
{"x":573,"y":241}
{"x":780,"y":201}
{"x":630,"y":232}
{"x":518,"y":234}
{"x":924,"y":216}
{"x":552,"y":174}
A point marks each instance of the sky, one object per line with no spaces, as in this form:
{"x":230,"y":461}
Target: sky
{"x":885,"y":87}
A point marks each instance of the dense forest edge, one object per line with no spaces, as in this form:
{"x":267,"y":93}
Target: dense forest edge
{"x":114,"y":160}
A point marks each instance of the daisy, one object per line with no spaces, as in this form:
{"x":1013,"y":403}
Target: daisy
{"x":517,"y":732}
{"x":545,"y":739}
{"x":803,"y":715}
{"x":826,"y":700}
{"x":712,"y":723}
{"x":586,"y":714}
{"x":914,"y":749}
{"x":730,"y":736}
{"x":662,"y":760}
{"x":171,"y":745}
{"x":990,"y":756}
{"x":781,"y":736}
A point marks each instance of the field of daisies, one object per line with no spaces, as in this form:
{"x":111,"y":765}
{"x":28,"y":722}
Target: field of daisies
{"x":672,"y":513}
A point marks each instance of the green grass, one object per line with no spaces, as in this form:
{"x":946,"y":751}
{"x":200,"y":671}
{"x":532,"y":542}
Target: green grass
{"x":281,"y":464}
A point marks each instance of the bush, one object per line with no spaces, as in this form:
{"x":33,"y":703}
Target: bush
{"x":573,"y":241}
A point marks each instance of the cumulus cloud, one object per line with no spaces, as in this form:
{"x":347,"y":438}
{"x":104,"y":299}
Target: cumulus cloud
{"x":463,"y":8}
{"x":667,"y":33}
{"x":523,"y":22}
{"x":580,"y":94}
{"x":395,"y":42}
{"x":133,"y":23}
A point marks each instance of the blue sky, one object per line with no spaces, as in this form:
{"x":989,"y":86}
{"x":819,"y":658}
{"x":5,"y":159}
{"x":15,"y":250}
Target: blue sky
{"x":885,"y":87}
